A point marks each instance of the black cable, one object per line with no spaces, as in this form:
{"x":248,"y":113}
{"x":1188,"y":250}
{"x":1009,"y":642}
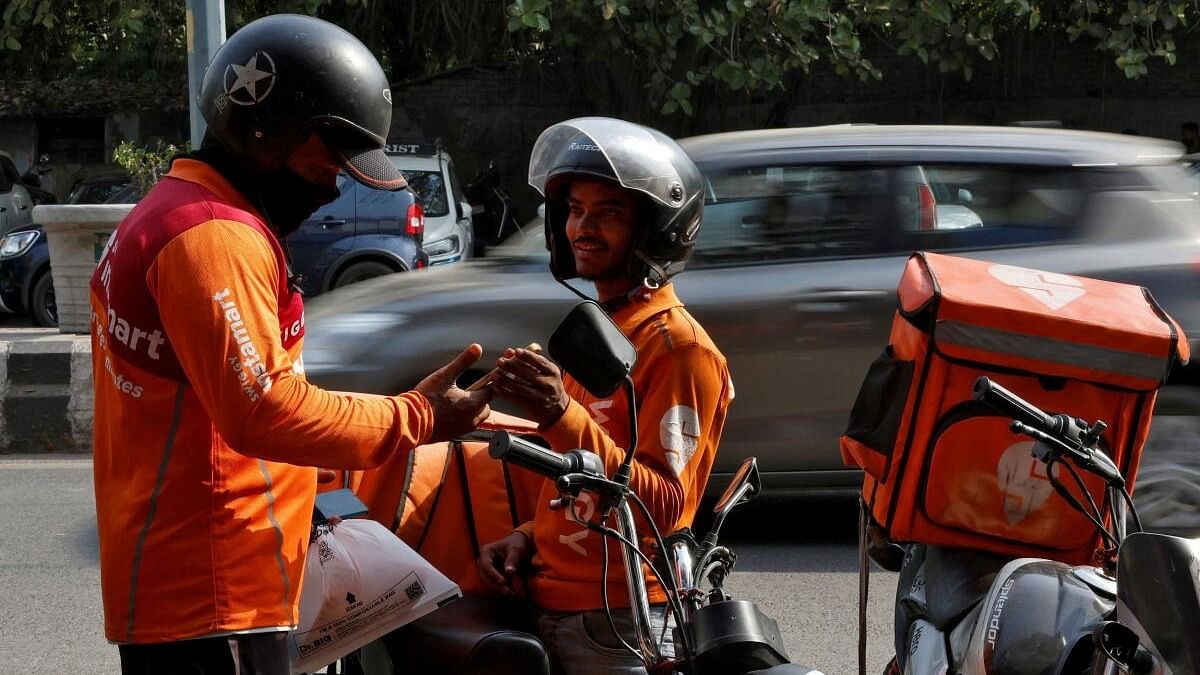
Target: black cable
{"x":672,"y":583}
{"x":1075,"y":503}
{"x":1086,"y":493}
{"x":604,"y":588}
{"x":609,"y":532}
{"x":1137,"y":520}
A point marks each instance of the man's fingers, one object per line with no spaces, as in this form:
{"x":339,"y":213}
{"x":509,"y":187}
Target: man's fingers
{"x":537,"y":362}
{"x":487,"y":569}
{"x":480,"y":416}
{"x":513,"y":560}
{"x":515,"y":389}
{"x":521,"y":369}
{"x":448,"y":374}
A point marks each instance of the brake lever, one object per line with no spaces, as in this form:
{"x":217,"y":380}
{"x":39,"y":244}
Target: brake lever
{"x":1084,"y":456}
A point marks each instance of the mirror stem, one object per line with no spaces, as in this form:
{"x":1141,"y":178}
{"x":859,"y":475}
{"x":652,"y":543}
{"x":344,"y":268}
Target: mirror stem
{"x":622,"y":475}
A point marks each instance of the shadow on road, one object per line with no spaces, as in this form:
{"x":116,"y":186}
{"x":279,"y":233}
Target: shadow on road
{"x":823,"y":520}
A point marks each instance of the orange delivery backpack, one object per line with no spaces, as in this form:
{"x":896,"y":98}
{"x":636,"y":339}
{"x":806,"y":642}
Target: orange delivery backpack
{"x":446,"y":500}
{"x":942,"y":468}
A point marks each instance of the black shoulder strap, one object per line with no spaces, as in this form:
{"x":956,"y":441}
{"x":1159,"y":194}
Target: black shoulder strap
{"x":461,"y":458}
{"x":864,"y":579}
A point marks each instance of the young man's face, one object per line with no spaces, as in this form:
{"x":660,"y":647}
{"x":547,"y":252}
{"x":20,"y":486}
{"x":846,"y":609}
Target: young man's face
{"x":600,"y":228}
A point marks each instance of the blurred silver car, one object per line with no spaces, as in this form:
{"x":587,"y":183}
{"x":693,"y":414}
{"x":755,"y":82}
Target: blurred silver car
{"x":804,"y":238}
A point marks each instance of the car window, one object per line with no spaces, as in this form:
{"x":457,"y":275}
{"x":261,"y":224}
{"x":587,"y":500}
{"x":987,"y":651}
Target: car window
{"x":129,"y":193}
{"x":792,"y":212}
{"x":430,"y":189}
{"x":967,"y":206}
{"x":97,"y":193}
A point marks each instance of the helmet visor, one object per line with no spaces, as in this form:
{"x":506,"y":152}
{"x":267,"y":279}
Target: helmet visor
{"x":363,"y":159}
{"x":640,"y":157}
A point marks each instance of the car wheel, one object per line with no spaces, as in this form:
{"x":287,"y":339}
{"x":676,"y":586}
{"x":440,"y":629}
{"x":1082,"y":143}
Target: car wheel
{"x":42,"y":307}
{"x":362,"y":270}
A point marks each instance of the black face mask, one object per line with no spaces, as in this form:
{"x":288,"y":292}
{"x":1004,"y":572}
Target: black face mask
{"x":285,"y":198}
{"x":288,"y":199}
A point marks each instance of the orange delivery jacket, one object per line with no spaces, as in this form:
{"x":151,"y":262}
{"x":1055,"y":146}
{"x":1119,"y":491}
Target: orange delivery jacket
{"x":205,"y":429}
{"x":683,"y":391}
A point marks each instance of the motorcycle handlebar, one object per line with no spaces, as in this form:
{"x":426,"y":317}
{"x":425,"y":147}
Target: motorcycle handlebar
{"x":1016,"y":407}
{"x":509,"y":448}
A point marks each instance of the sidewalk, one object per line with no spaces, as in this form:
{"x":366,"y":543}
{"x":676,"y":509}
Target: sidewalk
{"x":45,"y":389}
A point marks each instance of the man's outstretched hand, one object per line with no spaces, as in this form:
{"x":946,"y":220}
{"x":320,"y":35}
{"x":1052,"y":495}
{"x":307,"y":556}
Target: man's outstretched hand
{"x":455,"y":411}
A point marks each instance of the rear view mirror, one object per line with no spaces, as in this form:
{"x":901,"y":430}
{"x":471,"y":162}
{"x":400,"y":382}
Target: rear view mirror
{"x":589,"y":346}
{"x":745,"y":484}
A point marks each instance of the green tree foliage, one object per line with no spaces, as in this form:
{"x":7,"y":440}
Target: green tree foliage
{"x":146,"y":163}
{"x":678,"y":45}
{"x":667,"y":50}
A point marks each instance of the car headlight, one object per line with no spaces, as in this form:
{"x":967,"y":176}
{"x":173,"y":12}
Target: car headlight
{"x":339,"y":339}
{"x":17,"y":243}
{"x":443,"y":246}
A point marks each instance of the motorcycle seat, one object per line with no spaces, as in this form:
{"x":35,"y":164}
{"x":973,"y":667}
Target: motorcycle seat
{"x":474,"y":635}
{"x":956,"y":581}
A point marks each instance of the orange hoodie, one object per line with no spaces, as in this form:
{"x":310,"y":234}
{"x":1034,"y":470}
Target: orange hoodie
{"x":683,"y":391}
{"x":204,"y":423}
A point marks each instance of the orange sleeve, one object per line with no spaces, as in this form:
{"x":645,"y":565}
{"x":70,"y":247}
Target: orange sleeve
{"x":215,"y":286}
{"x":679,"y":419}
{"x":526,"y":529}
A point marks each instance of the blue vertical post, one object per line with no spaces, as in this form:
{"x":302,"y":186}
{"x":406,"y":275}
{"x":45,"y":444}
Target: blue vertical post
{"x":205,"y":33}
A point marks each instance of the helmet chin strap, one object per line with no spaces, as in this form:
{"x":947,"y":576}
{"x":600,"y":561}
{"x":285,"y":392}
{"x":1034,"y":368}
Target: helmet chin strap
{"x":571,"y":288}
{"x":657,"y":275}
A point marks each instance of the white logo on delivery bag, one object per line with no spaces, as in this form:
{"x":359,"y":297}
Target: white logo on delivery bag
{"x":1023,"y":481}
{"x":1051,"y":289}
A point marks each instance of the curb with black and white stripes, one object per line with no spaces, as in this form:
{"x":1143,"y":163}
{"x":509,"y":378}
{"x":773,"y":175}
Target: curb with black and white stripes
{"x":46,"y":395}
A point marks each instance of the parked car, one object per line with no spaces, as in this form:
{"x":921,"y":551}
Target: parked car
{"x":26,"y":283}
{"x":431,"y":175}
{"x":26,"y":286}
{"x":364,"y":233}
{"x":100,"y":188}
{"x":16,"y":206}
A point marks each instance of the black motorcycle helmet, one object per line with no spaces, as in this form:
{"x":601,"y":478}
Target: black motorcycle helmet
{"x":284,"y":76}
{"x":637,"y":158}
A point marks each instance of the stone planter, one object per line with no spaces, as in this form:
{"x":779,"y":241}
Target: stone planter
{"x":76,"y":234}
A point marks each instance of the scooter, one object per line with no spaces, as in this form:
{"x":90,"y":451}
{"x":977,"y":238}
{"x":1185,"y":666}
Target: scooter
{"x":493,"y":211}
{"x":713,"y":633}
{"x":1136,"y":612}
{"x":32,"y":179}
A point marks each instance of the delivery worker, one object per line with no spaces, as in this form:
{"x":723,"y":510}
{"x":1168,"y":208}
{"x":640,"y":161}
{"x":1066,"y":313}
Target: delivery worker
{"x":205,"y":428}
{"x":623,"y":209}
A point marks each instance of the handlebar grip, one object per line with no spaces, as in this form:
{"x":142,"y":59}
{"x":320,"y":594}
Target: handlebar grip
{"x":508,"y":448}
{"x":1014,"y":406}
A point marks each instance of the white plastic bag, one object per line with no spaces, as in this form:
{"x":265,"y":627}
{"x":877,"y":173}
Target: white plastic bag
{"x":360,"y":583}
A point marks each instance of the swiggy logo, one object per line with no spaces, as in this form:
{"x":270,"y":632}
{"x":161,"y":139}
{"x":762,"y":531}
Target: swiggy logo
{"x":1049,"y":288}
{"x":1023,"y":481}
